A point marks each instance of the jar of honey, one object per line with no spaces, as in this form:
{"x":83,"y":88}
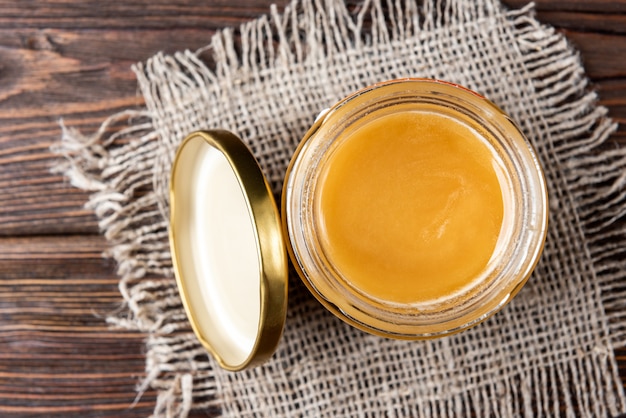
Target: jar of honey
{"x":414,"y":209}
{"x":411,"y":209}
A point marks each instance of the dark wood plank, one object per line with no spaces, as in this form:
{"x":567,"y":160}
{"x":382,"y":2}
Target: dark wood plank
{"x":599,"y":6}
{"x":604,"y":55}
{"x":612,"y":94}
{"x":134,"y":14}
{"x":586,"y":22}
{"x":57,"y":354}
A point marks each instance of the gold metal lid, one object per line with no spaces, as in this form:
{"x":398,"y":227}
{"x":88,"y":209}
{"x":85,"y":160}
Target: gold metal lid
{"x":228,"y":250}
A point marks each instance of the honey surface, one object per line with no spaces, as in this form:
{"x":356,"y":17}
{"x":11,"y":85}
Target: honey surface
{"x":410,"y":207}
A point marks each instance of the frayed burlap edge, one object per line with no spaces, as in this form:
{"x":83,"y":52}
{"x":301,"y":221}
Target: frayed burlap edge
{"x":118,"y":167}
{"x":595,"y":172}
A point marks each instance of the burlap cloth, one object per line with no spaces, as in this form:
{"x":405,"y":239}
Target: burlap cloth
{"x":548,"y":353}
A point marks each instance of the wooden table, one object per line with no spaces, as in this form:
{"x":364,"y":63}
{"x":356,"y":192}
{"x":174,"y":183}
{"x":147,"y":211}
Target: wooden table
{"x":71,"y":60}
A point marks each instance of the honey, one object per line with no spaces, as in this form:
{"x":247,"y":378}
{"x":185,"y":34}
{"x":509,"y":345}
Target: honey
{"x":410,"y":207}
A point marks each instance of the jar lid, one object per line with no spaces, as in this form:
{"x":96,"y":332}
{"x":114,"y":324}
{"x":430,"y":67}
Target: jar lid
{"x":227,"y":248}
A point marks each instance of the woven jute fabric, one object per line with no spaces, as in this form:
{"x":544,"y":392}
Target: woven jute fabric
{"x":550,"y":352}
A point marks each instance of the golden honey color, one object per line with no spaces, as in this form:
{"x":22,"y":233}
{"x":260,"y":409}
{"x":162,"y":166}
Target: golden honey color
{"x":409,"y":207}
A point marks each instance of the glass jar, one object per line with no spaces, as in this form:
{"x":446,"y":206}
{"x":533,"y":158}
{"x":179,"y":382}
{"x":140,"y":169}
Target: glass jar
{"x":433,"y":108}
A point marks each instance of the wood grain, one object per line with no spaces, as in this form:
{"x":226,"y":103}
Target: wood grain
{"x":597,"y":6}
{"x":130,"y":15}
{"x":57,"y":355}
{"x":70,"y":61}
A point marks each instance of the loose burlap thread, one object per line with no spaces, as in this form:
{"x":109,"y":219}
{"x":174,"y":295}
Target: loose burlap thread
{"x":550,"y":352}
